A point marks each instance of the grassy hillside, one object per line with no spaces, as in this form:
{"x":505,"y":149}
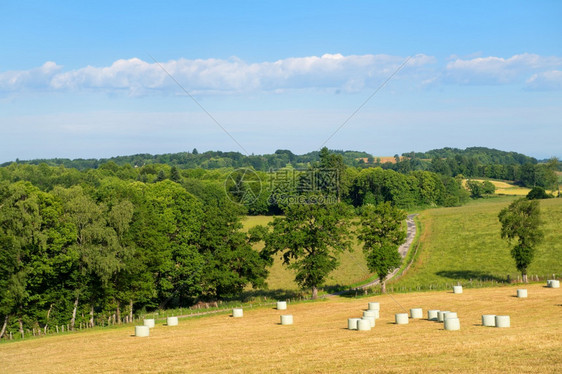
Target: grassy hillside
{"x":459,"y":244}
{"x":352,"y":267}
{"x":456,"y":245}
{"x":319,"y":342}
{"x":510,"y":188}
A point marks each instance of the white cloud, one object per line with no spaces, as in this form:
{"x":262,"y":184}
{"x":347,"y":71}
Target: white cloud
{"x":497,"y":70}
{"x":138,"y":77}
{"x":548,"y":80}
{"x":37,"y":78}
{"x":329,"y":72}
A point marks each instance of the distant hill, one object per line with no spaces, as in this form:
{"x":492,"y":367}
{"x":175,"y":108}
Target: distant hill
{"x":483,"y":155}
{"x":205,"y":160}
{"x":282,"y":158}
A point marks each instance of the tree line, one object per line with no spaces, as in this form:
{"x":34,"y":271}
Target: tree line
{"x":84,"y":246}
{"x":84,"y":254}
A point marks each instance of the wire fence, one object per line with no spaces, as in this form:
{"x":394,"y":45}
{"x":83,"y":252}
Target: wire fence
{"x":219,"y":307}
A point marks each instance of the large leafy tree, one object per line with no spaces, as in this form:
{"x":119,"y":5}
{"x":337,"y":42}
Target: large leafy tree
{"x":22,"y":243}
{"x":167,"y":228}
{"x":521,"y":223}
{"x":310,"y":239}
{"x":96,"y":250}
{"x":229,"y":261}
{"x":381,"y":232}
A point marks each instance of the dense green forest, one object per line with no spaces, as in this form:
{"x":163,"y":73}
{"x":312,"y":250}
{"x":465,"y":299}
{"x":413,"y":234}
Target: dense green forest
{"x":473,"y":162}
{"x":82,"y":246}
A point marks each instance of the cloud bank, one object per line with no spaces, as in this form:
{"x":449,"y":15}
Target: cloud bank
{"x":351,"y":73}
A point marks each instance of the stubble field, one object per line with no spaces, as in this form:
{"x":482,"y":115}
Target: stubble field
{"x":319,"y":342}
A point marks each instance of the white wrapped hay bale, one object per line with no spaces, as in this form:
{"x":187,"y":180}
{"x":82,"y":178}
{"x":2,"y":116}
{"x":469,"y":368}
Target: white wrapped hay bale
{"x":363,"y":325}
{"x":554,"y":283}
{"x":149,"y":322}
{"x":237,"y":312}
{"x":374,"y":306}
{"x":287,"y":319}
{"x":433,"y":314}
{"x":352,"y":323}
{"x":489,"y":320}
{"x":452,"y":324}
{"x":457,"y":289}
{"x":416,"y":313}
{"x":450,"y":315}
{"x":522,"y":293}
{"x":441,"y":315}
{"x":371,"y":320}
{"x":172,"y":321}
{"x":142,"y":331}
{"x":370,"y":313}
{"x":401,"y":318}
{"x":502,"y":321}
{"x":281,"y":305}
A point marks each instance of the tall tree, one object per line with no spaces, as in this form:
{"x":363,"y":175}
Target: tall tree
{"x":167,"y":229}
{"x":230,"y":263}
{"x":381,"y":232}
{"x":175,"y":175}
{"x":95,"y":249}
{"x":521,"y":223}
{"x":310,"y":238}
{"x":20,"y":235}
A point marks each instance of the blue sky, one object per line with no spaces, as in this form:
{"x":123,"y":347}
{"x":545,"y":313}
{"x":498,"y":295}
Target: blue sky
{"x":79,"y":80}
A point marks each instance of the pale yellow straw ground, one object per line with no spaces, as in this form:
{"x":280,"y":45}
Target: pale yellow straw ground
{"x":319,"y":342}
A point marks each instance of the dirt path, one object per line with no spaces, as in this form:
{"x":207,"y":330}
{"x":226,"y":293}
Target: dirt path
{"x":403,"y":249}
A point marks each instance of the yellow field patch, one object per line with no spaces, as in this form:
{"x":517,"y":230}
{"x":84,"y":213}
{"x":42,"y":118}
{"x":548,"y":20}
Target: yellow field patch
{"x":505,"y":188}
{"x":517,"y":191}
{"x":318,"y":341}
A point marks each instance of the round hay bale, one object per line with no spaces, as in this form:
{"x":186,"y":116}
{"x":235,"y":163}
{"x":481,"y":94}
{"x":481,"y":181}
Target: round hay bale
{"x":370,"y":313}
{"x":522,"y":293}
{"x":452,"y":324}
{"x":489,"y":320}
{"x":416,"y":313}
{"x":433,"y":315}
{"x":287,"y":319}
{"x":371,"y":320}
{"x":374,"y":306}
{"x":554,"y":283}
{"x":172,"y":321}
{"x":149,"y":322}
{"x":142,"y":331}
{"x":502,"y":321}
{"x":352,"y":323}
{"x":441,"y":315}
{"x":450,"y":315}
{"x":237,"y":312}
{"x":401,"y":318}
{"x":281,"y":305}
{"x":457,"y":289}
{"x":363,"y":325}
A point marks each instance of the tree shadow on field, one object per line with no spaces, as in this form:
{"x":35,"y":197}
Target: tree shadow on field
{"x":469,"y":275}
{"x":277,"y":294}
{"x":348,"y":292}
